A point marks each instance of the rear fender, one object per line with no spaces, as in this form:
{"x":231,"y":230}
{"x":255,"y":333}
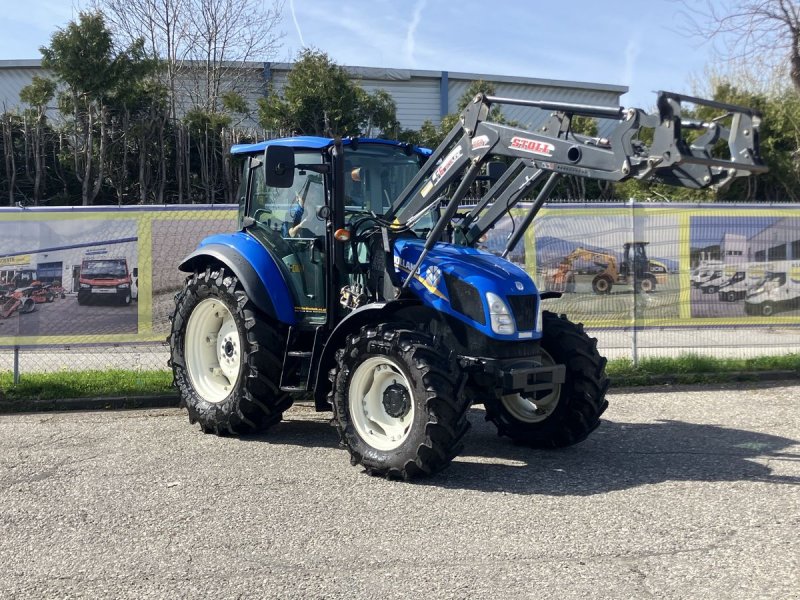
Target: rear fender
{"x":253,"y":266}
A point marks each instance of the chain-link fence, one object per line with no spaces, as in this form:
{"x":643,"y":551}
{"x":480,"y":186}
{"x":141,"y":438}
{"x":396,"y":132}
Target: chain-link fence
{"x":86,"y":289}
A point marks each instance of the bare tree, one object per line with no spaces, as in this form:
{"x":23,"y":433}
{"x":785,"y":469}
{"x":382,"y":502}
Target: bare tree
{"x":762,"y":33}
{"x":203,"y":45}
{"x":227,"y":34}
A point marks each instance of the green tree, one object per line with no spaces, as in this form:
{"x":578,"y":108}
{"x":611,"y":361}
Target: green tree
{"x":320,"y":98}
{"x":94,"y":72}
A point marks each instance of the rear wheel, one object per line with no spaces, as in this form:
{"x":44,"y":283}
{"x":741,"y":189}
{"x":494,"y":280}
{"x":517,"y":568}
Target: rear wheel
{"x":569,"y":412}
{"x":223,"y":357}
{"x":397,"y":402}
{"x":767,"y":309}
{"x":602,"y":284}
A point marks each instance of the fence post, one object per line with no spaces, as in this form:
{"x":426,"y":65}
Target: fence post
{"x":16,"y":365}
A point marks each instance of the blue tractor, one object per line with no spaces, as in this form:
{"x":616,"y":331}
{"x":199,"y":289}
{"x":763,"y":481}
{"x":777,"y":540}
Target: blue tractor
{"x":355,"y":280}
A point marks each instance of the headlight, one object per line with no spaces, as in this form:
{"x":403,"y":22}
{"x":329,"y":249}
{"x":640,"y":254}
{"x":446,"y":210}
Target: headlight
{"x":124,"y":286}
{"x":539,"y":317}
{"x":500,"y":316}
{"x":85,"y":286}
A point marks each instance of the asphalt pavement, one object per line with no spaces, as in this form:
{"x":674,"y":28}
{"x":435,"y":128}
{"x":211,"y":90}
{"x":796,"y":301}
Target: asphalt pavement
{"x":681,"y":493}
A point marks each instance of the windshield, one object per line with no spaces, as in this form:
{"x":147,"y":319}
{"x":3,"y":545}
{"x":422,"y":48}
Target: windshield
{"x":103,"y":268}
{"x":375,"y":174}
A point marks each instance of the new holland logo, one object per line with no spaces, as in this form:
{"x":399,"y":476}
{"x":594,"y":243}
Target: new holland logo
{"x":532,"y":146}
{"x":433,"y":275}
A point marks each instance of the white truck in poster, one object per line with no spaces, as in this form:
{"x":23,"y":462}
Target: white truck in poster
{"x":778,"y":291}
{"x":737,"y":280}
{"x":705,"y":271}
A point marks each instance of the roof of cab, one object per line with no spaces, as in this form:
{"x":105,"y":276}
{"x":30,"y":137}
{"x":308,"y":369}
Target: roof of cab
{"x":312,"y":142}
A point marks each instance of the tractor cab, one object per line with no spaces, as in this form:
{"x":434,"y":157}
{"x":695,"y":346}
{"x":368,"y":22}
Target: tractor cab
{"x":331,"y":189}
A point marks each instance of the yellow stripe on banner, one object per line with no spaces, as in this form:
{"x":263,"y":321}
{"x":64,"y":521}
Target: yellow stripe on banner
{"x":145,"y":253}
{"x":68,"y":340}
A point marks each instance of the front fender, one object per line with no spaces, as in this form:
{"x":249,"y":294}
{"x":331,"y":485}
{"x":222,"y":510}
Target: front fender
{"x":376,"y":312}
{"x":253,"y":266}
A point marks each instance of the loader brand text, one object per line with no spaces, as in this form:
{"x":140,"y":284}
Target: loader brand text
{"x":447,"y":164}
{"x":532,"y":146}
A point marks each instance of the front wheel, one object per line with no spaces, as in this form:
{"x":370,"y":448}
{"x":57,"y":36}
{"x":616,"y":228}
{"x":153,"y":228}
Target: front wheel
{"x":569,"y":412}
{"x":397,"y":402}
{"x":646,"y":285}
{"x":223,"y":358}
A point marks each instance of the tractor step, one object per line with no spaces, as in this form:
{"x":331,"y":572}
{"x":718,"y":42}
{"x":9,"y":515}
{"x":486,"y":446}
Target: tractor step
{"x":298,"y":359}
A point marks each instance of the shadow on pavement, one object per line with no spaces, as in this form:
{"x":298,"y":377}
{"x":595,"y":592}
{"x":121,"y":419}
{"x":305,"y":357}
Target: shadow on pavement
{"x":615,"y":457}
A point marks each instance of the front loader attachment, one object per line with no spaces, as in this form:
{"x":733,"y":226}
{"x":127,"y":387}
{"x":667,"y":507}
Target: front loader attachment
{"x":660,"y":146}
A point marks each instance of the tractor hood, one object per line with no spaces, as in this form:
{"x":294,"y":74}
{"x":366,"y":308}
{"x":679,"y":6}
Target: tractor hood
{"x":456,"y":280}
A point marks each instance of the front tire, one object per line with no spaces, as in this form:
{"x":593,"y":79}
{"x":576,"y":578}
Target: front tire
{"x":222,"y":357}
{"x":571,"y":411}
{"x":646,"y":285}
{"x":397,"y":402}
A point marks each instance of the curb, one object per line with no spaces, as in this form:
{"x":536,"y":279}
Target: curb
{"x":172,"y":400}
{"x":734,"y":378}
{"x":110,"y":403}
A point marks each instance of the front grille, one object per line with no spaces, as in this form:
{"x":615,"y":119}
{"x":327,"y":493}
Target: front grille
{"x":524,"y":309}
{"x":465,"y":298}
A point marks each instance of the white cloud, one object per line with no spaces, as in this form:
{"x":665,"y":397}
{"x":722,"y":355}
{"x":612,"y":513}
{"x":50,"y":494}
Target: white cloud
{"x":410,"y":45}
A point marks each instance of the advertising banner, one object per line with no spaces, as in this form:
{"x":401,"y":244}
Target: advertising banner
{"x":661,"y":265}
{"x":95,"y":276}
{"x":109,"y":275}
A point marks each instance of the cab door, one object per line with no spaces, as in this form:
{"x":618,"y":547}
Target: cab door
{"x":288,"y":223}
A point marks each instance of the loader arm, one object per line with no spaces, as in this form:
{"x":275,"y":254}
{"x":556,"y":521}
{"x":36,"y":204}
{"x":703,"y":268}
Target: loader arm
{"x":670,"y":158}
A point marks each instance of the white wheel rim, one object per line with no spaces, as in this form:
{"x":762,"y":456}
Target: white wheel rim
{"x":213,"y":350}
{"x":529,"y":409}
{"x":365,"y":399}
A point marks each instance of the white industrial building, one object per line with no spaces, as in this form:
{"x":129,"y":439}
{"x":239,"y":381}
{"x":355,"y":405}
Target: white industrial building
{"x":779,"y":241}
{"x":419,"y":94}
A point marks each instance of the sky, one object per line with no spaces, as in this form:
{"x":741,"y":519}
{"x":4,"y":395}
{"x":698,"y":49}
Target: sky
{"x":636,"y":43}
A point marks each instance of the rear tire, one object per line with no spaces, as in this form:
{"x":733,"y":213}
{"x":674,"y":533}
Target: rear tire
{"x":397,"y":402}
{"x":569,"y":413}
{"x":223,"y":358}
{"x":602,"y":284}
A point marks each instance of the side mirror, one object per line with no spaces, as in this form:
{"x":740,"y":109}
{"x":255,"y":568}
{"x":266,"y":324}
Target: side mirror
{"x":279,"y":166}
{"x":135,"y":271}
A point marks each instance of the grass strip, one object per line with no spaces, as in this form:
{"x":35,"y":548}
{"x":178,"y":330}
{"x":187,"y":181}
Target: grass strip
{"x":688,"y":368}
{"x":695,"y":368}
{"x":85,"y":384}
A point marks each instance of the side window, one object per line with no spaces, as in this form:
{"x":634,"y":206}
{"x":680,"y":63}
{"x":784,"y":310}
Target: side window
{"x":291,"y":212}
